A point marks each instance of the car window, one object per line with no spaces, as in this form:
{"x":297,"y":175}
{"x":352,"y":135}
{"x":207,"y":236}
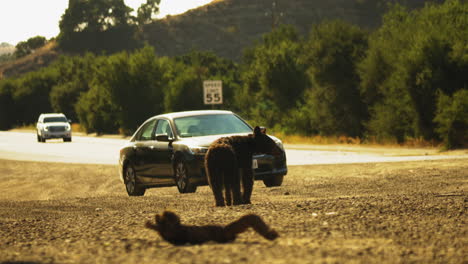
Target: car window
{"x":147,"y":131}
{"x":205,"y":125}
{"x":164,"y":128}
{"x":55,"y":119}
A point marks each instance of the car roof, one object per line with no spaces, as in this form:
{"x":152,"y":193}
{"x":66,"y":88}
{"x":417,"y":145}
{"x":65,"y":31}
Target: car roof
{"x":52,"y":114}
{"x":193,"y":113}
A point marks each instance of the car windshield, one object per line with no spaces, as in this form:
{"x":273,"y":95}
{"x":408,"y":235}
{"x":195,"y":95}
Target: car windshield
{"x":55,"y":119}
{"x":206,"y":125}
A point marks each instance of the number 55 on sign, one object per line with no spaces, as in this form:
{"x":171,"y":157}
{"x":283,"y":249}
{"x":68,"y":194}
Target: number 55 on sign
{"x":213,"y":92}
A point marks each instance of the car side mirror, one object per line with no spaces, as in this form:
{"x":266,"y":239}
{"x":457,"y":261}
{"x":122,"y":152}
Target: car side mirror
{"x":163,"y":138}
{"x":69,"y":121}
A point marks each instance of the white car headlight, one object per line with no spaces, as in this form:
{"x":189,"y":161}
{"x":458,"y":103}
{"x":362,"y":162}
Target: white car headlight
{"x":279,"y":143}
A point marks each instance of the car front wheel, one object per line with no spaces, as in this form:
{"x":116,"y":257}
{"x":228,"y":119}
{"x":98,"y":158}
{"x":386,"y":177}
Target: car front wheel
{"x":182,"y":178}
{"x":273,"y":181}
{"x":133,"y":189}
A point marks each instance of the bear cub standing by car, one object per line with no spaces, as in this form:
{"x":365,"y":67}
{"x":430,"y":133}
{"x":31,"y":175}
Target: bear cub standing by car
{"x":228,"y":162}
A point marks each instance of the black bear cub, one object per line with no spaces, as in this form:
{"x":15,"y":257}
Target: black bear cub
{"x":228,"y":163}
{"x":169,"y":227}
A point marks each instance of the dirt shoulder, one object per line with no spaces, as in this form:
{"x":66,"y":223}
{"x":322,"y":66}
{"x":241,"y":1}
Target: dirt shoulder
{"x":359,"y":213}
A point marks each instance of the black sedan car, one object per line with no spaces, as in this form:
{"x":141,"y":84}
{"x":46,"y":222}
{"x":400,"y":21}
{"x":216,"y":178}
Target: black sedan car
{"x":169,"y":150}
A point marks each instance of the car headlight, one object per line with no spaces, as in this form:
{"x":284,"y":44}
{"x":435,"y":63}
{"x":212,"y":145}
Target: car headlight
{"x":198,"y":150}
{"x":279,"y":144}
{"x":68,"y":127}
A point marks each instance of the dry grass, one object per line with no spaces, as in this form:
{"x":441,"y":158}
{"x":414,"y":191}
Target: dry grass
{"x":344,"y":140}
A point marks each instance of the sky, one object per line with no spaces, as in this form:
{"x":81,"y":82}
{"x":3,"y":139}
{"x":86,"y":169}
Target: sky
{"x":23,"y":19}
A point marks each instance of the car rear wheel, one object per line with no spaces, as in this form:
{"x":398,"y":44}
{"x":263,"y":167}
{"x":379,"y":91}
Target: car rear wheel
{"x":182,"y":178}
{"x":131,"y":185}
{"x":273,"y":181}
{"x":39,"y":139}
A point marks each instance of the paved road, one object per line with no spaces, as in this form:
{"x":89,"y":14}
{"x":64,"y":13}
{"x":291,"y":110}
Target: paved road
{"x":97,"y":150}
{"x":93,"y":150}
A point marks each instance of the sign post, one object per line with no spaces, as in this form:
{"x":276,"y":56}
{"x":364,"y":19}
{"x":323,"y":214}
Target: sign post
{"x":213,"y":92}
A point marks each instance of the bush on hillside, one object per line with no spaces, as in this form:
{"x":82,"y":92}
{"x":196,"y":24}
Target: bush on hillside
{"x":452,"y":119}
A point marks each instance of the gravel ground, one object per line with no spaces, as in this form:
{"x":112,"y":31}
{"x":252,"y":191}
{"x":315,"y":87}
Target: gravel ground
{"x":410,"y":212}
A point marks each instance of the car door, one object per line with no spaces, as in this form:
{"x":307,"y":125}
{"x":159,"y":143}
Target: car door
{"x":143,"y":146}
{"x":163,"y":151}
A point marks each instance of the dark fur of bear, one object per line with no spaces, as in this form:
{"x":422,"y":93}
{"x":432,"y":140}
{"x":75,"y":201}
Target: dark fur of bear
{"x":228,"y":165}
{"x":169,"y":227}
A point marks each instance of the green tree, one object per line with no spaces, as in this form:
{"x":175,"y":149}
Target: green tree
{"x":184,"y":88}
{"x":6,"y":57}
{"x":7,"y":104}
{"x":76,"y":73}
{"x":273,"y":77}
{"x":31,"y":95}
{"x":139,"y":96}
{"x":432,"y":63}
{"x":196,"y":67}
{"x":96,"y":111}
{"x":414,"y":55}
{"x":24,"y":48}
{"x":96,"y":26}
{"x":393,"y":118}
{"x":146,"y":11}
{"x":452,"y":119}
{"x":334,"y":103}
{"x":125,"y":91}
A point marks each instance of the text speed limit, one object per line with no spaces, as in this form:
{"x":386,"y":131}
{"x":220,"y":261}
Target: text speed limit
{"x":213,"y":92}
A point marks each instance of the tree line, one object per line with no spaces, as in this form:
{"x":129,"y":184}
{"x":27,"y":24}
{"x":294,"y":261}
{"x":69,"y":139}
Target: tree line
{"x":103,"y":25}
{"x":405,"y":80}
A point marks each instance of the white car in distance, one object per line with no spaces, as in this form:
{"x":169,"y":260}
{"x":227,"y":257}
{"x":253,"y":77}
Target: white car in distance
{"x":53,"y":125}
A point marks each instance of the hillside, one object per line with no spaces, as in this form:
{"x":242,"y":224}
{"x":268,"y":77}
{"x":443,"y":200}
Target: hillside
{"x":226,"y":27}
{"x":40,"y":58}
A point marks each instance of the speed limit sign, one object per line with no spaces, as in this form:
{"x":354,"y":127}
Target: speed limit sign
{"x":213,"y":92}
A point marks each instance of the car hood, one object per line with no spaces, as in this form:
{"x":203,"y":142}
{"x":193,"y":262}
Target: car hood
{"x":206,"y":141}
{"x":56,"y":124}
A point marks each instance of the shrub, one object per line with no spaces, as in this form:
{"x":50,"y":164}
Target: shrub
{"x":452,"y":119}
